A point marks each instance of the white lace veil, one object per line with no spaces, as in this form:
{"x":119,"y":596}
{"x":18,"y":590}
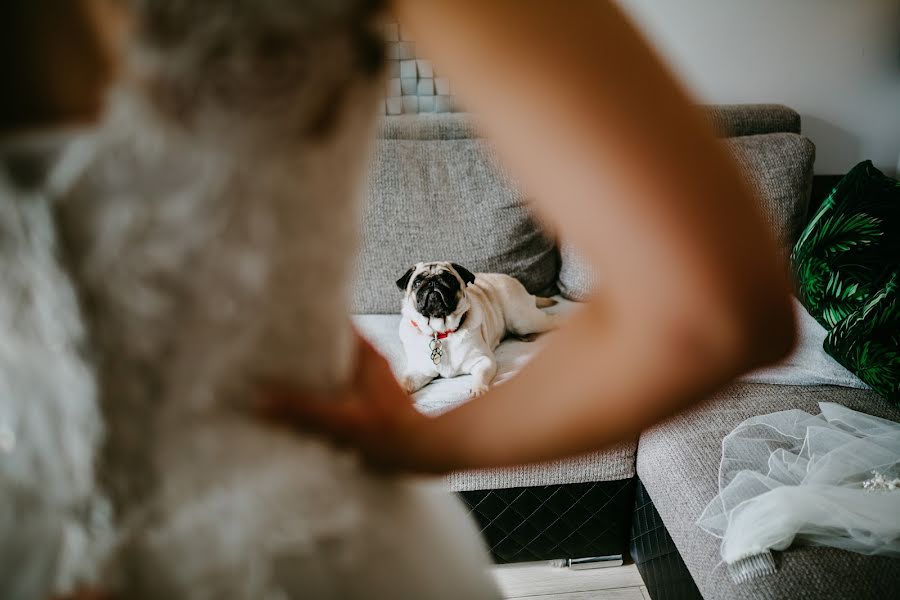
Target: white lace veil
{"x":831,"y":479}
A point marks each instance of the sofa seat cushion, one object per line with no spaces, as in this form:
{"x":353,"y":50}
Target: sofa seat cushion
{"x":443,"y":394}
{"x":807,"y":365}
{"x":678,"y":462}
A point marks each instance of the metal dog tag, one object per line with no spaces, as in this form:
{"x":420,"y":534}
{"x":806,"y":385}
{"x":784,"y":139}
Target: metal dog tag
{"x":435,"y":345}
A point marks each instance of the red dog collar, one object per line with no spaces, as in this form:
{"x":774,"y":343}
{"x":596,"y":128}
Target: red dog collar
{"x":442,"y":334}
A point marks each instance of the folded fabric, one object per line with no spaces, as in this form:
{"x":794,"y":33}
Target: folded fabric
{"x":808,"y":363}
{"x":790,"y":477}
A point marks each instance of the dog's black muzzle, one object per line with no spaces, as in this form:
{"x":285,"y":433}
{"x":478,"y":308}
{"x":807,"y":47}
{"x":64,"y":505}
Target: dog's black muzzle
{"x":436,"y":298}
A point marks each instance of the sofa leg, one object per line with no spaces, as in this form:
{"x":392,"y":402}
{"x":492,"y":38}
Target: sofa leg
{"x":594,"y":562}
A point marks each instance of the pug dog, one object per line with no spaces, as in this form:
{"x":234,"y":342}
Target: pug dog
{"x":453,"y":320}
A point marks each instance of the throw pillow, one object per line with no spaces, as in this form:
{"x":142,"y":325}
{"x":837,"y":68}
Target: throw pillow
{"x":867,"y":342}
{"x":847,"y":267}
{"x":850,"y":247}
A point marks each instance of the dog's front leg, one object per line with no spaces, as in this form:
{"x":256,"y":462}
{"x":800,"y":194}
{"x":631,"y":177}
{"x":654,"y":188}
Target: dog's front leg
{"x":413,"y":381}
{"x":483,"y":369}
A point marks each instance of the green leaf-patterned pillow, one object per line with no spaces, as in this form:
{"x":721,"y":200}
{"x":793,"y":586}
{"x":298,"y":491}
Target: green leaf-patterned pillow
{"x":847,"y":269}
{"x":850,"y":247}
{"x":867,"y":342}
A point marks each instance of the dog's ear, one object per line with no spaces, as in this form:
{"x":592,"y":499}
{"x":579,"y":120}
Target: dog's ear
{"x":404,"y":281}
{"x":463,"y":272}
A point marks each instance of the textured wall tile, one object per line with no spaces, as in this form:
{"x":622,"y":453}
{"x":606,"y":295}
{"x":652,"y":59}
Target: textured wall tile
{"x":426,"y":87}
{"x":408,"y":69}
{"x":442,"y":104}
{"x":409,"y":86}
{"x":410,"y":104}
{"x":426,"y":104}
{"x":407,"y":50}
{"x":393,"y":88}
{"x":424,"y":67}
{"x":412,"y":85}
{"x":392,"y":50}
{"x":393,"y":68}
{"x":394,"y":105}
{"x":442,"y":86}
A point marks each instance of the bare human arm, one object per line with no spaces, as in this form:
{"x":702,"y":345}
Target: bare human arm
{"x":618,"y":160}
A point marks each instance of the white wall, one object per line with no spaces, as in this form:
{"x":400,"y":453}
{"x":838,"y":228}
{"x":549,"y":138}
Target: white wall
{"x":837,"y":62}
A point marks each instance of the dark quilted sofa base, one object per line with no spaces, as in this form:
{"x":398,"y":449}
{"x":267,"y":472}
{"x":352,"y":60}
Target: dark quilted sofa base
{"x":579,"y":520}
{"x":552,"y":522}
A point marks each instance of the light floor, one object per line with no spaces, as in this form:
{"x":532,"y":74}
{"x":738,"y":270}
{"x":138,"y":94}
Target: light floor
{"x":542,"y":581}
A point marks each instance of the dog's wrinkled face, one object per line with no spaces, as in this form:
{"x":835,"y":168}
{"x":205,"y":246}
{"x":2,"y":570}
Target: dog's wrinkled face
{"x":435,"y":288}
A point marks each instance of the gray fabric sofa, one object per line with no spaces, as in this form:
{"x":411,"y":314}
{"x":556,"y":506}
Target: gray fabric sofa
{"x":436,"y":193}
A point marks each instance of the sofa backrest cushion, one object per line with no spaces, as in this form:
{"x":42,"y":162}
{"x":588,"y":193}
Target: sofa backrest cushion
{"x":778,"y":165}
{"x":732,"y":120}
{"x":435,"y":193}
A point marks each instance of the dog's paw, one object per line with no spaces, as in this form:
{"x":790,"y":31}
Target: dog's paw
{"x":479,"y":389}
{"x":409,"y":384}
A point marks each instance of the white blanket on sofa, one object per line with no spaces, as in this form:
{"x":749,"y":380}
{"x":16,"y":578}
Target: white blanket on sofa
{"x":808,"y":364}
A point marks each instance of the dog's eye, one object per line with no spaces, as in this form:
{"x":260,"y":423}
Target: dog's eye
{"x":419,"y":278}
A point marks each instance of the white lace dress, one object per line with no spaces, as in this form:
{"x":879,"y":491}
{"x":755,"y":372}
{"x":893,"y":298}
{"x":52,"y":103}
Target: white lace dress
{"x":210,"y":238}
